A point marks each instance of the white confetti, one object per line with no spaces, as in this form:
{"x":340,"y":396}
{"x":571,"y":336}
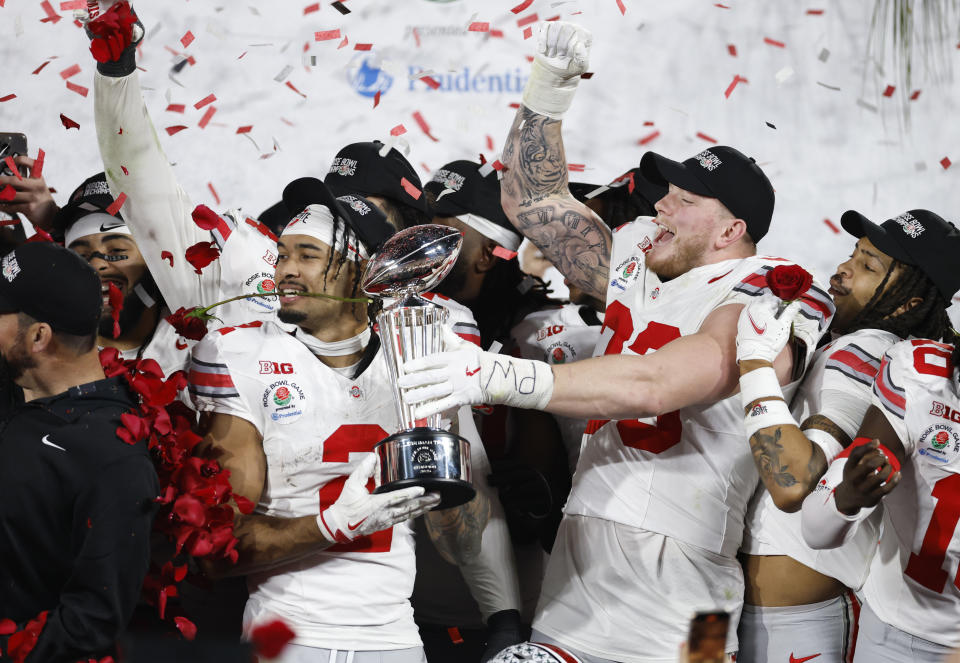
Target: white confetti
{"x":865,"y":104}
{"x":783,"y":75}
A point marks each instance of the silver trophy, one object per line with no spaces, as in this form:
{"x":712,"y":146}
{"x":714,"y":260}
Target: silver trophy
{"x":422,"y":453}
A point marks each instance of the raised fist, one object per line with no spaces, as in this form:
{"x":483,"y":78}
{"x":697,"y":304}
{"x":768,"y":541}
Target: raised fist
{"x":564,"y":48}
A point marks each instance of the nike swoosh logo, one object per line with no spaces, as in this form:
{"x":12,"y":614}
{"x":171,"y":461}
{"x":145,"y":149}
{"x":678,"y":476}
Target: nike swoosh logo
{"x":353,"y":527}
{"x":473,"y":372}
{"x":46,"y":441}
{"x":104,"y":227}
{"x":801,"y":660}
{"x":759,"y":330}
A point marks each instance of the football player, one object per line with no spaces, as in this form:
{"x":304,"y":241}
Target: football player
{"x":801,"y":602}
{"x":294,"y":417}
{"x":906,"y":458}
{"x":655,"y":516}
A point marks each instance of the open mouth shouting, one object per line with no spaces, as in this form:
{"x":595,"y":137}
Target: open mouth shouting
{"x":105,"y":282}
{"x":665,"y":235}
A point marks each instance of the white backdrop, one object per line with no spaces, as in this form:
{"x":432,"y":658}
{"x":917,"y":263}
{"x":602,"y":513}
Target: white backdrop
{"x":662,"y":66}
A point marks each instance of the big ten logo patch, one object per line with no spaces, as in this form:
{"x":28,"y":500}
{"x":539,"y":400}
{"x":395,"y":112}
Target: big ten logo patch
{"x":548,"y":331}
{"x":283,"y":400}
{"x":273,"y":367}
{"x":942,"y":410}
{"x":270,"y":258}
{"x":939,"y":443}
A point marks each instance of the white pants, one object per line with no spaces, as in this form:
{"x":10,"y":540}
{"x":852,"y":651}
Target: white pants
{"x":303,"y":654}
{"x":881,"y":643}
{"x":825,"y":631}
{"x":625,"y":594}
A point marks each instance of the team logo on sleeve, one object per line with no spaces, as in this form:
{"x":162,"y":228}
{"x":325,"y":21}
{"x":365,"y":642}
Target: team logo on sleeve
{"x":560,"y":353}
{"x":626,"y":273}
{"x":939,"y":443}
{"x":265,"y":285}
{"x":283,"y":400}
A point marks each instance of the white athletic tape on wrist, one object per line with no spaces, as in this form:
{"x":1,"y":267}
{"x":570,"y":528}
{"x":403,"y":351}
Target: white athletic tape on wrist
{"x":758,"y":384}
{"x":828,"y":443}
{"x":523,"y":383}
{"x":548,"y":93}
{"x":767,"y":413}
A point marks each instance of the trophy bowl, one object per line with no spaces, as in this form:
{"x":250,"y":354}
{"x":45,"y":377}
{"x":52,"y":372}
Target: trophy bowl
{"x":421,"y":453}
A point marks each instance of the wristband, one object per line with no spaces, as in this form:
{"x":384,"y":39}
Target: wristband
{"x":828,"y":444}
{"x":758,"y":384}
{"x":548,"y":93}
{"x":765,"y":414}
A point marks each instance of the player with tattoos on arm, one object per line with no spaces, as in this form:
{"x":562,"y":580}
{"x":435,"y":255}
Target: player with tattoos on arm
{"x":800,"y":602}
{"x":655,"y":516}
{"x":907,"y":454}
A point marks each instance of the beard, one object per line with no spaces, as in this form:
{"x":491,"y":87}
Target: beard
{"x":17,"y":361}
{"x":452,"y":284}
{"x":291,"y":316}
{"x":133,"y":308}
{"x":686,"y":255}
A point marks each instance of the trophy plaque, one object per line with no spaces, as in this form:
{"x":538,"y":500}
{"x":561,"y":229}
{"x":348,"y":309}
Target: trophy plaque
{"x":422,"y":453}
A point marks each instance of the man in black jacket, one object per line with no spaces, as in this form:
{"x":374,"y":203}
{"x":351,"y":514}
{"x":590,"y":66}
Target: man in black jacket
{"x":76,"y":502}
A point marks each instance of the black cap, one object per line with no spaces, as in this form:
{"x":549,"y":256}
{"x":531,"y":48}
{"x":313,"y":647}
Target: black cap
{"x":723,"y":173}
{"x":918,"y":237}
{"x":53,"y":285}
{"x":276,"y":217}
{"x":365,"y":219}
{"x":359,"y":169}
{"x":91,"y":196}
{"x":638,"y":186}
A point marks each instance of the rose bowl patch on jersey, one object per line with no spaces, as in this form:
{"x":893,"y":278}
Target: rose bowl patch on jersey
{"x":283,"y":400}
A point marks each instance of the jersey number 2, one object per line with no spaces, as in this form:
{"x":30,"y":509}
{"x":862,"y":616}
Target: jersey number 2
{"x":336,"y":449}
{"x":634,"y":433}
{"x":926,"y":566}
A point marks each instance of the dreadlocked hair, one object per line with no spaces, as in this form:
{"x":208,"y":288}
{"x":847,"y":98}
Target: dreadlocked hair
{"x":506,"y":297}
{"x":337,"y":259}
{"x":928,"y":319}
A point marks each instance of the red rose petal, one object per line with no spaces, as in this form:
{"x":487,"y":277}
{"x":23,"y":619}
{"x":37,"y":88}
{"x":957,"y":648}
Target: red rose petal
{"x":166,"y":255}
{"x":177,"y":128}
{"x":188,"y":628}
{"x":68,"y":123}
{"x":213,"y":192}
{"x":209,"y":99}
{"x":37,"y":170}
{"x":888,"y":91}
{"x":270,"y":639}
{"x":205,"y":120}
{"x":649,"y":137}
{"x":522,"y":6}
{"x":309,"y":9}
{"x":424,"y":127}
{"x":326,"y":35}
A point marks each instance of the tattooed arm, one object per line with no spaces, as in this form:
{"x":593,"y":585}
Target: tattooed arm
{"x":536,"y":199}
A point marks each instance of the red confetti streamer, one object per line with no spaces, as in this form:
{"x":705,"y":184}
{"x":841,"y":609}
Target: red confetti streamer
{"x":7,"y":193}
{"x":124,"y":169}
{"x":205,"y":120}
{"x":37,"y":170}
{"x":187,"y":39}
{"x":117,"y":204}
{"x":214,"y":192}
{"x":527,"y":33}
{"x":514,"y":105}
{"x":490,"y":143}
{"x":423,"y":125}
{"x":478,"y":26}
{"x":79,"y":89}
{"x":945,"y":162}
{"x":245,"y":129}
{"x":649,"y":137}
{"x":916,"y":93}
{"x":13,"y":167}
{"x":553,"y":18}
{"x":717,"y":4}
{"x":52,"y":16}
{"x":362,"y":47}
{"x":72,"y":70}
{"x":888,"y":91}
{"x":832,"y":226}
{"x":343,"y":43}
{"x":527,"y":20}
{"x":209,"y":99}
{"x":70,"y":5}
{"x":175,"y":129}
{"x":7,"y":98}
{"x":398,"y":130}
{"x":326,"y":35}
{"x":241,"y":55}
{"x":623,"y":10}
{"x":68,"y":123}
{"x":309,"y":9}
{"x":431,"y":81}
{"x":166,"y":255}
{"x":40,"y":68}
{"x":736,"y":80}
{"x":705,"y":137}
{"x":814,"y":12}
{"x":522,"y":6}
{"x":774,"y":42}
{"x":410,"y":188}
{"x":732,"y":50}
{"x":416,"y":37}
{"x":176,"y":108}
{"x":576,"y":167}
{"x":506,"y":254}
{"x":496,"y":33}
{"x":290,"y":85}
{"x":376,"y":99}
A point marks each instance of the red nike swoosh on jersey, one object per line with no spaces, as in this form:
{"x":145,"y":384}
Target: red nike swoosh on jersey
{"x":353,"y":527}
{"x":473,"y":372}
{"x":801,"y":660}
{"x":759,"y":330}
{"x":717,"y":278}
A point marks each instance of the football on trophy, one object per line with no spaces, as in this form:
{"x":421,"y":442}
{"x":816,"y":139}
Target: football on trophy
{"x":413,"y":260}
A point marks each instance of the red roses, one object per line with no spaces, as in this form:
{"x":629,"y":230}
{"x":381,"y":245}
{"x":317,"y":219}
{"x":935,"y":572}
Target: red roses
{"x":187,"y":325}
{"x":788,"y":282}
{"x":112,"y":32}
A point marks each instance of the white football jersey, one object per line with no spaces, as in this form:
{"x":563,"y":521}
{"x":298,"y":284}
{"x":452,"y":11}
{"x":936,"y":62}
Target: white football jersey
{"x":686,"y":474}
{"x":841,"y":376}
{"x":914,"y":582}
{"x":559,"y":335}
{"x":315,"y":425}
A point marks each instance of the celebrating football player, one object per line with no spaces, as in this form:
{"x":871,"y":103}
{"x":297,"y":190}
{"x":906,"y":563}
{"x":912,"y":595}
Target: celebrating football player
{"x":655,"y":516}
{"x":896,"y":284}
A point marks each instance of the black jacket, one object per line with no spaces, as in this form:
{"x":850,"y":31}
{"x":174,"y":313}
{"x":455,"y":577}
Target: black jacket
{"x":76,"y":509}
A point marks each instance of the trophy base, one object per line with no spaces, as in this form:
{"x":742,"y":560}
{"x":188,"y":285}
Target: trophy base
{"x":429,"y":457}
